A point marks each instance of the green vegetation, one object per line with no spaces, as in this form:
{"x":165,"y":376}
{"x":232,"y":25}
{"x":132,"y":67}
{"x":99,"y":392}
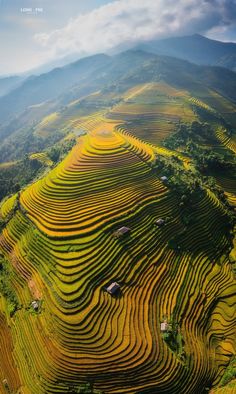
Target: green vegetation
{"x":174,"y":339}
{"x":57,"y":152}
{"x":206,"y":161}
{"x":190,"y":187}
{"x":26,"y":142}
{"x":180,"y":180}
{"x":192,"y":138}
{"x":230,"y":373}
{"x":6,"y":289}
{"x":86,"y":388}
{"x":185,"y":134}
{"x":15,"y":177}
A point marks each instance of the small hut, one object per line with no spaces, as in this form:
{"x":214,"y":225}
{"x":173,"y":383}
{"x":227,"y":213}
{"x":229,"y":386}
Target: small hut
{"x":164,"y":178}
{"x":164,"y":326}
{"x":160,"y":222}
{"x":80,"y":132}
{"x":122,"y":231}
{"x":35,"y":305}
{"x":5,"y":383}
{"x":113,"y":288}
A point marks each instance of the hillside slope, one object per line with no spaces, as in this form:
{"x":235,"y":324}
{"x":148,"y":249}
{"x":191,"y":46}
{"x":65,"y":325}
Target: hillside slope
{"x":98,"y":72}
{"x":196,"y":49}
{"x":60,"y":241}
{"x":37,"y":89}
{"x":155,"y":158}
{"x":9,"y":83}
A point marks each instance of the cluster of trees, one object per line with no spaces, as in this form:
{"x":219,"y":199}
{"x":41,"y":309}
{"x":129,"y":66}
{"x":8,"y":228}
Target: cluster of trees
{"x":187,"y":133}
{"x":192,"y":138}
{"x":24,"y":171}
{"x":230,"y":373}
{"x":189,"y":187}
{"x":60,"y":150}
{"x":14,"y":177}
{"x":86,"y":388}
{"x":6,"y":288}
{"x":207,"y":160}
{"x":184,"y":183}
{"x":26,"y":142}
{"x":174,"y":339}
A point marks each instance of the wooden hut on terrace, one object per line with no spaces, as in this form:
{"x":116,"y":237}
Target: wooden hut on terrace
{"x":6,"y":385}
{"x":164,"y":326}
{"x":35,"y":305}
{"x":164,"y":178}
{"x":113,"y":288}
{"x":122,"y":231}
{"x":160,"y":222}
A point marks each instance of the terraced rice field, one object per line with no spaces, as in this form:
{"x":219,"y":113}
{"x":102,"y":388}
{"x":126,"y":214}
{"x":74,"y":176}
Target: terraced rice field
{"x":68,"y":118}
{"x":228,"y":184}
{"x":7,"y":164}
{"x":229,"y":389}
{"x":7,"y":206}
{"x":7,"y":362}
{"x":225,"y":140}
{"x":61,"y":244}
{"x":220,"y":104}
{"x":200,"y":104}
{"x":151,"y":111}
{"x":42,"y":157}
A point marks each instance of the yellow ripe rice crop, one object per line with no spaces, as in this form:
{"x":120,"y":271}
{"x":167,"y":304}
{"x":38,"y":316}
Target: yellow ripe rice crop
{"x":7,"y":206}
{"x":64,"y":253}
{"x":229,"y":142}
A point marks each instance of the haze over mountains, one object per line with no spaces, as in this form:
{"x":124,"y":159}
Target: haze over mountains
{"x":9,"y":83}
{"x":196,"y":49}
{"x":151,"y":61}
{"x":23,"y":91}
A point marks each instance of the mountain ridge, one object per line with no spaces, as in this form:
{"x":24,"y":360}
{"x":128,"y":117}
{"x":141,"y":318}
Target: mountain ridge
{"x":95,"y":72}
{"x":196,"y":49}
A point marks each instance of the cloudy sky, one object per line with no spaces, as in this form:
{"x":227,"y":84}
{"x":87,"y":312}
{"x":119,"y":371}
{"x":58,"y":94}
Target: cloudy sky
{"x":34,"y":32}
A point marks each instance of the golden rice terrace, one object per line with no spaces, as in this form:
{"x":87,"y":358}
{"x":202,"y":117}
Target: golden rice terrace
{"x":170,"y":326}
{"x":111,"y":280}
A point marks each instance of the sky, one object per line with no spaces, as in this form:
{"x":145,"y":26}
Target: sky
{"x":36,"y":32}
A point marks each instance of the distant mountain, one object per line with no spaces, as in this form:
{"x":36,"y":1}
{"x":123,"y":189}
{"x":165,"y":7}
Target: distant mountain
{"x":196,"y":49}
{"x":58,"y":63}
{"x":9,"y":83}
{"x":116,"y":73}
{"x":37,"y":89}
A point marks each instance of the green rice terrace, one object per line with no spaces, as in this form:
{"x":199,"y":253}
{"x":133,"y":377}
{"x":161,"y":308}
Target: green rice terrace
{"x":117,"y":264}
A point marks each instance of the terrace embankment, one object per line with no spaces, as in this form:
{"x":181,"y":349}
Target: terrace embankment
{"x":64,"y":253}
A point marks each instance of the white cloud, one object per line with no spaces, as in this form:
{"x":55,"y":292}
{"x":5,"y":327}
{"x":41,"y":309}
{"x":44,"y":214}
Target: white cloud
{"x":123,"y":21}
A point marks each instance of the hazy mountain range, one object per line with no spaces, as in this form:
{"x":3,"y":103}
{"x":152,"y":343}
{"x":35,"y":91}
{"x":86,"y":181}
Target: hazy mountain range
{"x":23,"y":101}
{"x":9,"y":83}
{"x":196,"y":49}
